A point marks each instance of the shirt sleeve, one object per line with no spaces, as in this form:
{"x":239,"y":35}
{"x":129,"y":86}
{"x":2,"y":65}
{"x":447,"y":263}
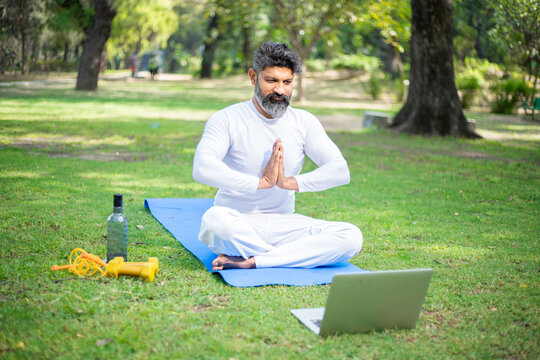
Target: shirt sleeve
{"x":208,"y":165}
{"x":332,"y":168}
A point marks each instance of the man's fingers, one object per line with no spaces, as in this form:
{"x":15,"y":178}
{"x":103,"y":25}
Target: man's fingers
{"x":276,"y":163}
{"x":271,"y":170}
{"x":276,"y":147}
{"x":273,"y":160}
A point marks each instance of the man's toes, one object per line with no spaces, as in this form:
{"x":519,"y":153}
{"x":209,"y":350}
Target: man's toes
{"x":217,"y":261}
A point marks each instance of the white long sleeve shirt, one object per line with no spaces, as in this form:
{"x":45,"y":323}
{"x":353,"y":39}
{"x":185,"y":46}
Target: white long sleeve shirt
{"x":236,"y":146}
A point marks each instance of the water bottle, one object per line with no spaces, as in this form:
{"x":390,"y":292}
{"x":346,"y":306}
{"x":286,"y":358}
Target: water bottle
{"x":117,"y":231}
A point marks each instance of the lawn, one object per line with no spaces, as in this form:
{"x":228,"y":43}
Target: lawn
{"x":468,"y":209}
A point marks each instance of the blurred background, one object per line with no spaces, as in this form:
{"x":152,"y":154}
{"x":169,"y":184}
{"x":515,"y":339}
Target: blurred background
{"x":495,"y":42}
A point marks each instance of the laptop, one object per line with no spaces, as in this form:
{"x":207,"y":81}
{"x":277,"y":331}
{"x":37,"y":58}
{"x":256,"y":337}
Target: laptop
{"x":369,"y":301}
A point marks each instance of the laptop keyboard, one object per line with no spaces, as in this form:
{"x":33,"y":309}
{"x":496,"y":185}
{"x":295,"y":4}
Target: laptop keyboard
{"x":317,"y":322}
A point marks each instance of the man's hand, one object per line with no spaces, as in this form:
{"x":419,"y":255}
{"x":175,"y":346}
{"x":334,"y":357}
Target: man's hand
{"x":271,"y":170}
{"x":287,"y":183}
{"x":274,"y":173}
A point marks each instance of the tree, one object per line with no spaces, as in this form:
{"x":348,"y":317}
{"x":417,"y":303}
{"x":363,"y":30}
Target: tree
{"x":433,"y":106}
{"x":94,"y":45}
{"x":239,"y":20}
{"x":472,"y":21}
{"x":20,"y":22}
{"x":67,"y":22}
{"x":393,"y":19}
{"x":305,"y":23}
{"x":213,"y":36}
{"x":519,"y":21}
{"x":141,"y":25}
{"x":8,"y":42}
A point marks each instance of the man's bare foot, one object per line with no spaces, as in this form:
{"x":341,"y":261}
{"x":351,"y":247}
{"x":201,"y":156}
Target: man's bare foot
{"x":232,"y":262}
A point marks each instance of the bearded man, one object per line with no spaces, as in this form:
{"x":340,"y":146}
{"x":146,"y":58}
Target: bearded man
{"x":253,"y":153}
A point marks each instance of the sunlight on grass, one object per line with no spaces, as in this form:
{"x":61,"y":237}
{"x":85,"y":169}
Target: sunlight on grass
{"x":120,"y":112}
{"x":129,"y":182}
{"x":527,"y":128}
{"x":500,"y":135}
{"x":453,"y":251}
{"x":41,"y":139}
{"x":9,"y":174}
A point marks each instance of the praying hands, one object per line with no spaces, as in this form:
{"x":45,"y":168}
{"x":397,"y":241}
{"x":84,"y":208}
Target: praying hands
{"x":274,"y":173}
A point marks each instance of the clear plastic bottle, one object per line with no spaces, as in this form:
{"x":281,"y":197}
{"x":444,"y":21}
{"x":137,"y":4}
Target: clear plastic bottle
{"x":117,"y":231}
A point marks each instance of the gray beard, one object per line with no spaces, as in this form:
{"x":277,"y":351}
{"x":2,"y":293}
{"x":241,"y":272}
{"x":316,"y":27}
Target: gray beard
{"x":274,"y":108}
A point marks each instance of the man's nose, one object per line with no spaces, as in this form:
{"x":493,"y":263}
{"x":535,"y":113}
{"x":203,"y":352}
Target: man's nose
{"x":279,"y":89}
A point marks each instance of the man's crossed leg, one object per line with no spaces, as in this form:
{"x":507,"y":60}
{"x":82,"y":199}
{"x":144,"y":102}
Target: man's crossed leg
{"x":276,"y":240}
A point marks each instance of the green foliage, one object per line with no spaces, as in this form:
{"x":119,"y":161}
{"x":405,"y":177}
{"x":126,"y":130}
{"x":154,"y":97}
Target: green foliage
{"x":355,"y":62}
{"x":470,"y":83}
{"x":53,"y":65}
{"x":141,"y":25}
{"x":486,"y":70}
{"x":393,"y":19}
{"x":69,"y":15}
{"x":519,"y":22}
{"x":184,"y":61}
{"x":399,"y":89}
{"x":374,"y":85}
{"x":465,"y":41}
{"x":20,"y":21}
{"x":474,"y":26}
{"x":509,"y":94}
{"x":316,"y":65}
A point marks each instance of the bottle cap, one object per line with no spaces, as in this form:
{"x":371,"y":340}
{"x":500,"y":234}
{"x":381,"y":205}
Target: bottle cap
{"x":117,"y":200}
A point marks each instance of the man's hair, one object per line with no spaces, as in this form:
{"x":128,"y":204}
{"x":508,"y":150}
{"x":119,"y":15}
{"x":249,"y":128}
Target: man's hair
{"x":278,"y":54}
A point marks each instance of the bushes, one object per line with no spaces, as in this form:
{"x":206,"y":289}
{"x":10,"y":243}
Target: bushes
{"x":470,"y":83}
{"x":374,"y":85}
{"x":509,"y":94}
{"x":487,"y":70}
{"x":351,"y":62}
{"x":52,"y":65}
{"x":506,"y":92}
{"x":355,"y":62}
{"x":315,"y":65}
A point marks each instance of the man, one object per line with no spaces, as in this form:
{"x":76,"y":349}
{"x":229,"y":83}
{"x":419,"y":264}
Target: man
{"x":153,"y":66}
{"x":253,"y":152}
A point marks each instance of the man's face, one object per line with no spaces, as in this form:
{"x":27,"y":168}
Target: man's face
{"x":273,"y":89}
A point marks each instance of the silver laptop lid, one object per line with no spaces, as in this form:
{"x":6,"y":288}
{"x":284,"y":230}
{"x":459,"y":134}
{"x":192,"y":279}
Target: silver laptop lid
{"x":361,"y":302}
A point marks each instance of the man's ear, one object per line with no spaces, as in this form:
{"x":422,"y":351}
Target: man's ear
{"x":253,"y":76}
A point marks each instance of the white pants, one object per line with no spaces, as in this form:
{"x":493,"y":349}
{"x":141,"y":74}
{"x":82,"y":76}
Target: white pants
{"x":279,"y":240}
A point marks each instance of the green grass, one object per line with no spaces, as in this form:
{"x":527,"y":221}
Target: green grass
{"x":468,"y":209}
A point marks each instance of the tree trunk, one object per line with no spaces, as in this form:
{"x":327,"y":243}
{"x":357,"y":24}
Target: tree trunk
{"x":210,"y":44}
{"x":301,"y":87}
{"x":94,"y":45}
{"x":103,"y":61}
{"x":246,"y":47}
{"x":433,"y":106}
{"x":22,"y":17}
{"x":392,"y":64}
{"x":478,"y":43}
{"x":66,"y":52}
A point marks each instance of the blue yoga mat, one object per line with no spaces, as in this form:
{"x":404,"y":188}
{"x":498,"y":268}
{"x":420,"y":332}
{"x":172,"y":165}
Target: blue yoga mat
{"x":182,"y":218}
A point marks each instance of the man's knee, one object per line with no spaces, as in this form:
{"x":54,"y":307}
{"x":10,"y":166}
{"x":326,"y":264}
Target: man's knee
{"x":353,"y":238}
{"x":217,"y":220}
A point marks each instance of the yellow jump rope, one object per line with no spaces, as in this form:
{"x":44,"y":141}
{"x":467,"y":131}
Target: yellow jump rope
{"x":82,"y":264}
